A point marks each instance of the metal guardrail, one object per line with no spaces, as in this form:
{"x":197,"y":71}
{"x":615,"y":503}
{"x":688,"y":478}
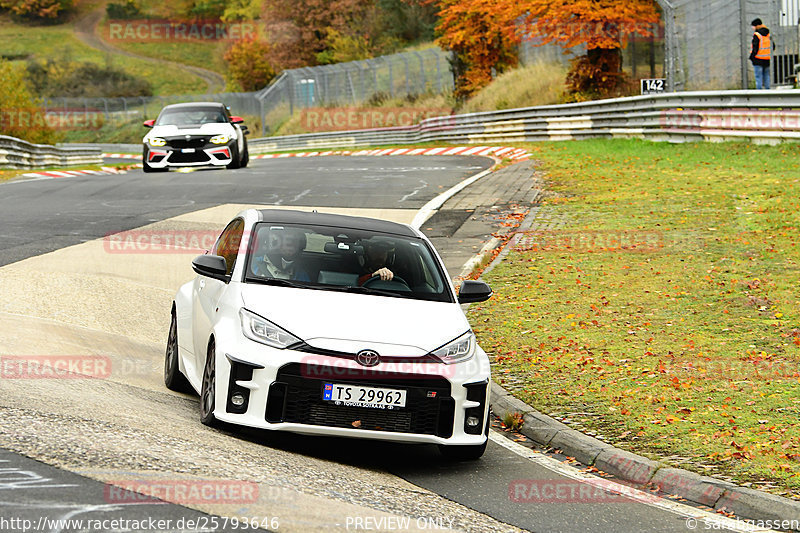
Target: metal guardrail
{"x":18,"y":154}
{"x":765,"y":116}
{"x":760,"y":116}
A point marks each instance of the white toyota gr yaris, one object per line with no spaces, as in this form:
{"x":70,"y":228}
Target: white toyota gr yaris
{"x":333,"y":325}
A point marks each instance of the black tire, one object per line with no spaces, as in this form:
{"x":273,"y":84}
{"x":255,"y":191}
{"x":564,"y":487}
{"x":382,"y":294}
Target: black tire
{"x":246,"y":156}
{"x":208,"y":388}
{"x":236,"y":161}
{"x":470,"y":452}
{"x":173,"y":378}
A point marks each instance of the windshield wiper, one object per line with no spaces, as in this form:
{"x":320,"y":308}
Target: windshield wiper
{"x":276,"y":281}
{"x":368,"y":290}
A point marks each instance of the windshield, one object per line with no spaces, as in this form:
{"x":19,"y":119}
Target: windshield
{"x":191,"y":116}
{"x":326,"y":258}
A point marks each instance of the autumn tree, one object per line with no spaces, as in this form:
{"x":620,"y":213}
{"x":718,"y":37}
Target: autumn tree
{"x":298,"y":29}
{"x":484,"y":36}
{"x":20,"y":113}
{"x":602,"y":26}
{"x":37,"y":9}
{"x":248,"y":63}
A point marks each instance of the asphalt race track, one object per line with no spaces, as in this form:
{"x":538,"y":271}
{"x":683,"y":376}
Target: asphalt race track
{"x":63,"y":441}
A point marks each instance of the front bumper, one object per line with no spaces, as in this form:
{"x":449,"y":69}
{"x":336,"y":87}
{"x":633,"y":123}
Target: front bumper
{"x":445,"y":404}
{"x":206,"y":155}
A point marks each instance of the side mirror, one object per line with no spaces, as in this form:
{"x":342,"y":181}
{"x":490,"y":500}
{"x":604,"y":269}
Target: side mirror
{"x":236,"y":120}
{"x":244,"y":129}
{"x":474,"y":291}
{"x":211,"y":266}
{"x":149,"y":123}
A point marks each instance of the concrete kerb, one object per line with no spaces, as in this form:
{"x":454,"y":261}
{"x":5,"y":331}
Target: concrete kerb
{"x":632,"y":468}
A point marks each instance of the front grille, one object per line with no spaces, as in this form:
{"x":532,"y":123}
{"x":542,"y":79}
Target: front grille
{"x":195,"y":142}
{"x":297,"y":396}
{"x":191,"y":157}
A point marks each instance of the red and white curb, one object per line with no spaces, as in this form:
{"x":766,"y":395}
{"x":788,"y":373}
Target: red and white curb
{"x":104,"y":171}
{"x":497,"y":152}
{"x":122,"y":156}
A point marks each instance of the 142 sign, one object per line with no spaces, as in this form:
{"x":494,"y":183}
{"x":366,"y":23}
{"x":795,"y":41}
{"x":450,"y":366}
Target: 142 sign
{"x":653,"y":85}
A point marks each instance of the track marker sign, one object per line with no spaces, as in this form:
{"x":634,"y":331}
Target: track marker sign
{"x":653,"y":85}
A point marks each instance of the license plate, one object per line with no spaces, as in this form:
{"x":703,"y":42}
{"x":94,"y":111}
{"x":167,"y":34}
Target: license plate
{"x":187,"y":150}
{"x":359,"y":396}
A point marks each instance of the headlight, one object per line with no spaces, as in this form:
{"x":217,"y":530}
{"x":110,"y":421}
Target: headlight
{"x":157,"y":141}
{"x":219,"y":139}
{"x":262,"y":330}
{"x":458,"y":350}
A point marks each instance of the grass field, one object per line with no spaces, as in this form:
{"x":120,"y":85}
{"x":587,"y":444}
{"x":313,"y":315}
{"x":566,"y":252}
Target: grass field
{"x":656,"y":303}
{"x":59,"y":43}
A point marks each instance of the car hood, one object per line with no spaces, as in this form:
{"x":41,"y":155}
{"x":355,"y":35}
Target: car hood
{"x":204,"y":129}
{"x":348,"y":322}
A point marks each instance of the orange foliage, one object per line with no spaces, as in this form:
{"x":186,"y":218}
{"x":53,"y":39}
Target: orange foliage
{"x":37,"y":9}
{"x":595,"y":23}
{"x":484,"y":34}
{"x":248,"y":63}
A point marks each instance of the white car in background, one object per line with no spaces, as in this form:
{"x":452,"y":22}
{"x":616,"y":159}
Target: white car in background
{"x":195,"y":134}
{"x":331,"y":350}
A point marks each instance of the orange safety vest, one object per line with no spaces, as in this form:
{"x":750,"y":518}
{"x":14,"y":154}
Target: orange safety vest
{"x":764,"y":46}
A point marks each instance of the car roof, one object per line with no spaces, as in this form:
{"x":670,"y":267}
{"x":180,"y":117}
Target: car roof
{"x":195,"y":104}
{"x":286,"y":216}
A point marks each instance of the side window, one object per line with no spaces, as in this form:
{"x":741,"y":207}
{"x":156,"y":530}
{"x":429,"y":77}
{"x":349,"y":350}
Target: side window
{"x":228,"y":243}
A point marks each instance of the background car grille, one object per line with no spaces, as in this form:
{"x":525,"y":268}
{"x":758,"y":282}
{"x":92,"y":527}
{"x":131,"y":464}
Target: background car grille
{"x":195,"y":142}
{"x":193,"y":157}
{"x":295,"y":397}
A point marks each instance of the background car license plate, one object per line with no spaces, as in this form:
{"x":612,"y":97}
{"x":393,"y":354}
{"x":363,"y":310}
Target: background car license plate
{"x":360,"y":396}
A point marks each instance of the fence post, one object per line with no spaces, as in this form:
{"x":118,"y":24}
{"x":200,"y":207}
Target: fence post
{"x":263,"y":117}
{"x":745,"y":42}
{"x":422,"y":81}
{"x":408,"y":91}
{"x":391,"y":79}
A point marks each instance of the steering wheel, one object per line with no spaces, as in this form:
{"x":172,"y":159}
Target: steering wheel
{"x":378,"y":278}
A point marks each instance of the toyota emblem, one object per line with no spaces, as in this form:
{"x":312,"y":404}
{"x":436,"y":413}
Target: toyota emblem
{"x":368,"y":358}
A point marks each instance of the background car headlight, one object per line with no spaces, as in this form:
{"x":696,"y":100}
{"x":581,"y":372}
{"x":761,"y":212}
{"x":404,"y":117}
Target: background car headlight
{"x":219,"y":139}
{"x":458,"y":350}
{"x":157,"y":141}
{"x":262,"y":330}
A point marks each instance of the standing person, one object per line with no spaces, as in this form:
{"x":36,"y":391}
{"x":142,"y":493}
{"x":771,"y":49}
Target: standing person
{"x":761,"y":53}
